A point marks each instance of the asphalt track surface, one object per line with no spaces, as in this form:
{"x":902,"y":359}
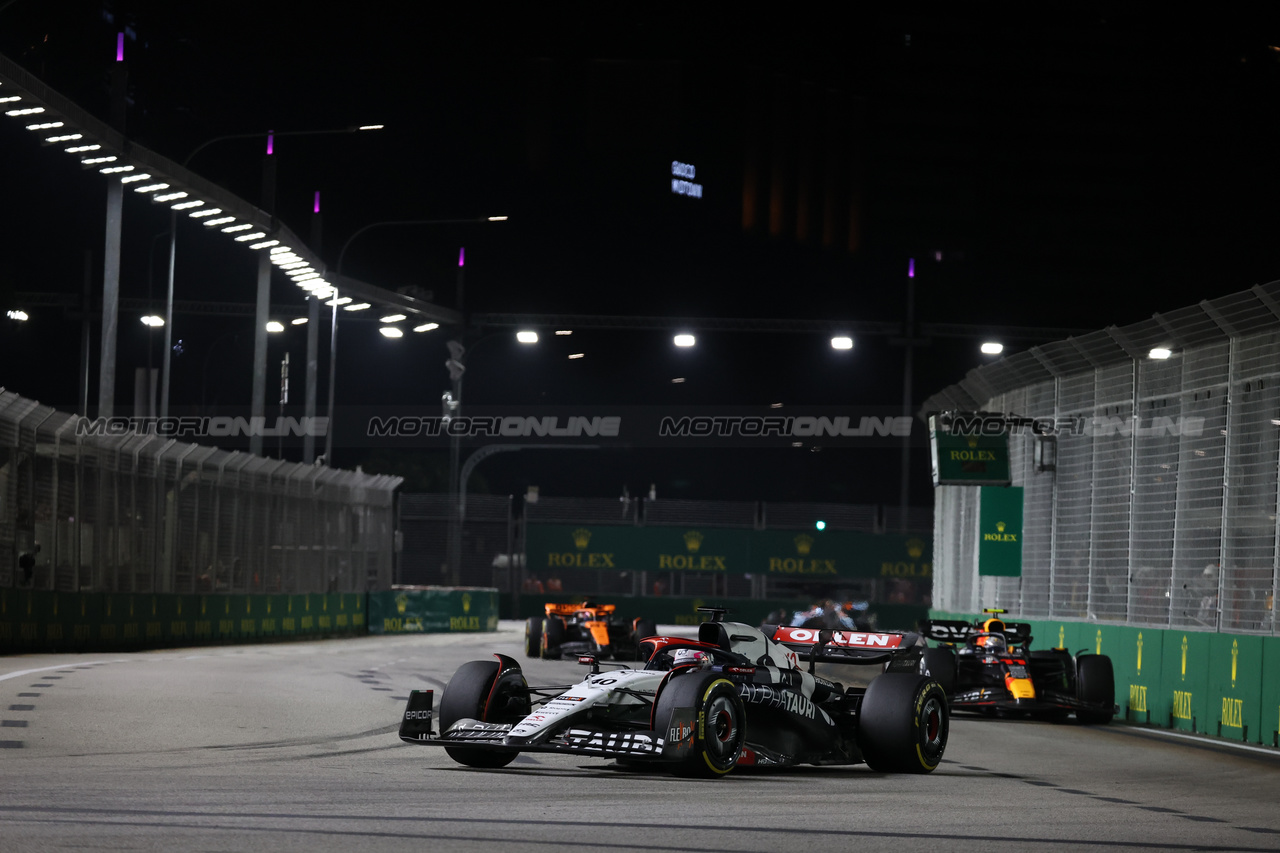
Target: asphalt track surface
{"x":293,"y":746}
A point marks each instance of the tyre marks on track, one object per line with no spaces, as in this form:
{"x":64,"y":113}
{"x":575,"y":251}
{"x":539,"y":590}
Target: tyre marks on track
{"x":376,"y":679}
{"x":1061,"y":789}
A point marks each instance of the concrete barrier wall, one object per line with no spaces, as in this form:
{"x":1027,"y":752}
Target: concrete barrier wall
{"x":1227,"y":685}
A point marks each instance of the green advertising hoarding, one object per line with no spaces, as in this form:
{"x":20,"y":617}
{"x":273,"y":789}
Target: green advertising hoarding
{"x":831,"y":553}
{"x":422,"y":610}
{"x":968,"y":460}
{"x":1000,"y":531}
{"x":551,"y":547}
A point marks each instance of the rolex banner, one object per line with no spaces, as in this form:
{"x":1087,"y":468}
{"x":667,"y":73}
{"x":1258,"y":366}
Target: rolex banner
{"x":1000,"y":531}
{"x":552,"y":548}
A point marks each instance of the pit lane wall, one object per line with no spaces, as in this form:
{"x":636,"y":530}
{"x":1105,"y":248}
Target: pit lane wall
{"x":1226,"y":685}
{"x":50,"y":621}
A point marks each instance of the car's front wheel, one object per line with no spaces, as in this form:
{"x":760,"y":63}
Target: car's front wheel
{"x":713,"y":733}
{"x":1096,"y":685}
{"x":472,"y":694}
{"x":904,"y":723}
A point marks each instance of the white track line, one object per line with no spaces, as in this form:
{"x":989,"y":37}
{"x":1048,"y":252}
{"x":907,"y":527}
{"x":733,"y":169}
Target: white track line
{"x":1207,"y":740}
{"x":23,"y":672}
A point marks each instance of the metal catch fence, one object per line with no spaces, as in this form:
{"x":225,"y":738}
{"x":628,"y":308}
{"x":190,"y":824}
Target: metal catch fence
{"x":1163,"y":511}
{"x":142,"y":513}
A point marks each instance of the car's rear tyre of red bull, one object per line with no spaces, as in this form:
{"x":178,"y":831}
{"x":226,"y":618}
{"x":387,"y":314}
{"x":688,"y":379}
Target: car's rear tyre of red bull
{"x":904,"y":723}
{"x":1096,"y":685}
{"x":471,"y":694}
{"x":533,"y":637}
{"x":718,"y":724}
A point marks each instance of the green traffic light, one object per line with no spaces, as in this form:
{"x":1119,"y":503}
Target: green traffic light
{"x":821,"y":525}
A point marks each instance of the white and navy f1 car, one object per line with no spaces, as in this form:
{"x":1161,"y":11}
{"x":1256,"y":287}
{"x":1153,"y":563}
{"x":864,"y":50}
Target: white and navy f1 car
{"x":736,"y":696}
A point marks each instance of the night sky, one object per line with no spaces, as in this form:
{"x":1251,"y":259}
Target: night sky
{"x":1059,"y":167}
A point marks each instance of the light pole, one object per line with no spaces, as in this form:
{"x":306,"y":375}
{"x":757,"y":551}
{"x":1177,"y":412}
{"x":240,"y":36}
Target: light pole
{"x":258,"y":403}
{"x":458,"y":478}
{"x":454,"y":402}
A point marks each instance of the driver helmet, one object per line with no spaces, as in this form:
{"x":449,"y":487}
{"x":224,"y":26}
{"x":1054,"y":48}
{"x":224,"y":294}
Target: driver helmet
{"x":991,"y":642}
{"x":690,"y":657}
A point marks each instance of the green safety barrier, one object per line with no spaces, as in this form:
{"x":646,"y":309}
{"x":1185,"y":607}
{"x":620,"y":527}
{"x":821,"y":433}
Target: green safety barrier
{"x":43,"y":620}
{"x":433,"y":610}
{"x":1226,"y":685}
{"x":1270,"y":732}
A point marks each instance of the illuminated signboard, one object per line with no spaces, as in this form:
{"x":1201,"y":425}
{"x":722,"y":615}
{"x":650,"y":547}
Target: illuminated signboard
{"x":682,"y":175}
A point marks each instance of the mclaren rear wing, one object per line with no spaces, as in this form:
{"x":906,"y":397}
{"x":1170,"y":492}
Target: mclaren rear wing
{"x":858,"y":648}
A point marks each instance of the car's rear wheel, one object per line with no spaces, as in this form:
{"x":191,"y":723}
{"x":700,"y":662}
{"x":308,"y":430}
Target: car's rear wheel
{"x":472,"y":694}
{"x":941,"y":665}
{"x":644,"y":628}
{"x":718,"y":720}
{"x":641,"y":628}
{"x":552,"y":638}
{"x":1096,"y":685}
{"x":904,"y":723}
{"x":533,"y":636}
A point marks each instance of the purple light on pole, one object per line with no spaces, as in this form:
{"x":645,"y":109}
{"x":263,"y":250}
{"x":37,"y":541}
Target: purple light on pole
{"x":120,"y":47}
{"x":271,"y":142}
{"x":316,"y":207}
{"x":462,"y":257}
{"x":911,"y":267}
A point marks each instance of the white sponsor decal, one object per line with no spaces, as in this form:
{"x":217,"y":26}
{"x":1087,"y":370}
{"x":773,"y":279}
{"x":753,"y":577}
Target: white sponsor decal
{"x":839,"y":638}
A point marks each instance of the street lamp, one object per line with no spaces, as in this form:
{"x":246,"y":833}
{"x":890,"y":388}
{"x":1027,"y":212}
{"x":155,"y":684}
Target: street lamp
{"x":258,"y":402}
{"x":342,"y":253}
{"x":452,"y":401}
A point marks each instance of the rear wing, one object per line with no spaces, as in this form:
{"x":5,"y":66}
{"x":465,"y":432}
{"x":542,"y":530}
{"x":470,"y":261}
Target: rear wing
{"x":572,"y":608}
{"x":955,"y":631}
{"x":858,"y":648}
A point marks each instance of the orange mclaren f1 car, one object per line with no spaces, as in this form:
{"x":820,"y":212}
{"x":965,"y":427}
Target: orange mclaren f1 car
{"x":585,"y":628}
